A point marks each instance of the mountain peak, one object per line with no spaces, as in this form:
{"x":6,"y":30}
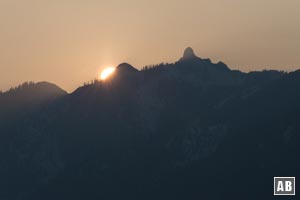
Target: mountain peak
{"x":188,"y":54}
{"x":125,"y":67}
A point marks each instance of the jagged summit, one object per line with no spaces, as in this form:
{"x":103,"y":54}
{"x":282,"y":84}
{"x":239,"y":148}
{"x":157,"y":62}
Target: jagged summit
{"x":188,"y":54}
{"x":125,"y":67}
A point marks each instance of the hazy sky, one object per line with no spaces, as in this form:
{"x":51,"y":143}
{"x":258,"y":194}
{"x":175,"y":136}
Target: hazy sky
{"x":70,"y":41}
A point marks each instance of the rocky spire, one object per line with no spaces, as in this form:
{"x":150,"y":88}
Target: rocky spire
{"x":188,"y":54}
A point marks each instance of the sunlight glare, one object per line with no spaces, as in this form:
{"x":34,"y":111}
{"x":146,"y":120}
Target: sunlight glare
{"x":106,"y":73}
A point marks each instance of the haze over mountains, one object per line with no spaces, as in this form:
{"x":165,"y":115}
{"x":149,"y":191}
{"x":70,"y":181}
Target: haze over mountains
{"x":192,"y":129}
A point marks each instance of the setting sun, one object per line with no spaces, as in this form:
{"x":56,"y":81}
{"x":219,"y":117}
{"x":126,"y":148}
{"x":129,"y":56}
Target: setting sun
{"x":107,"y":72}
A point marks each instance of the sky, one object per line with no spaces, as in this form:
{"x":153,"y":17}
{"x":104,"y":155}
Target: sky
{"x":69,"y":42}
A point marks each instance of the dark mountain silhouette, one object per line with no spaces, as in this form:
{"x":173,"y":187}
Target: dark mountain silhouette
{"x":188,"y":130}
{"x":126,"y":68}
{"x":26,"y":98}
{"x":126,"y":74}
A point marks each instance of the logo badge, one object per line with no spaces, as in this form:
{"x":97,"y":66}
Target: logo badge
{"x":284,"y":185}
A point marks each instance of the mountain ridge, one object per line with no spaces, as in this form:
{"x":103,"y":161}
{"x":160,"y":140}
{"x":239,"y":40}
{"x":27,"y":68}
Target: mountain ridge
{"x":170,"y":130}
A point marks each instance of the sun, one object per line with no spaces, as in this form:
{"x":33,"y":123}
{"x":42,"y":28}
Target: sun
{"x":106,"y":73}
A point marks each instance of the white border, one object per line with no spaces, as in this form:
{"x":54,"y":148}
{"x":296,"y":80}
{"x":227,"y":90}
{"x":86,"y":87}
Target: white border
{"x":285,"y":194}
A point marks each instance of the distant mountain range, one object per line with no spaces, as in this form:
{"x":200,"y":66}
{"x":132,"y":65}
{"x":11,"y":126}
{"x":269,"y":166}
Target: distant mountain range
{"x":192,"y":129}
